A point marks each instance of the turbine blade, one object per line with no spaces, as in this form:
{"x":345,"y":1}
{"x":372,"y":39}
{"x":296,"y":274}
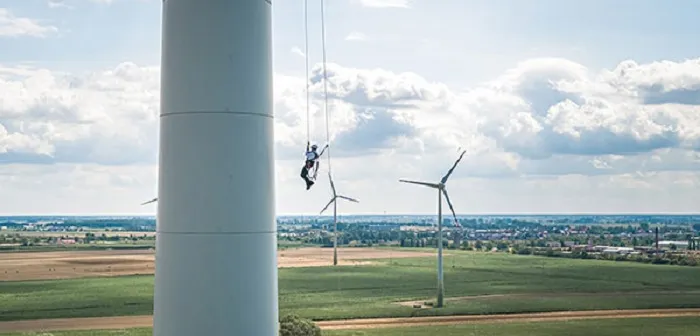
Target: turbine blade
{"x":444,"y":192}
{"x":426,"y":184}
{"x":449,"y":172}
{"x":327,"y":205}
{"x":151,"y":201}
{"x":330,"y":178}
{"x":348,"y":199}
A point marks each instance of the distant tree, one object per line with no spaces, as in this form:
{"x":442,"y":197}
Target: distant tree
{"x":292,"y":325}
{"x":502,"y":245}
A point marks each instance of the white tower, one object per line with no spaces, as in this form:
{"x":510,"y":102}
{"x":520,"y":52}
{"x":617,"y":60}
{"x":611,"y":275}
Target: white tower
{"x":216,"y":261}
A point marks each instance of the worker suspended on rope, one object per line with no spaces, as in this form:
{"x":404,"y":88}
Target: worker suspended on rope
{"x":310,"y":164}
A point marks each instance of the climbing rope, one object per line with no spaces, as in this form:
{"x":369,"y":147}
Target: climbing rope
{"x":325,"y":83}
{"x":306,"y":56}
{"x":325,"y":77}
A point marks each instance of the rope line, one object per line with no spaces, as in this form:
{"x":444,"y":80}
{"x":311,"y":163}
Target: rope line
{"x":325,"y":83}
{"x":306,"y":56}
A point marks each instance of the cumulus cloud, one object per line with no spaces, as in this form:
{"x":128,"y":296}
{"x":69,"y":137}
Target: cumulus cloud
{"x":544,"y":117}
{"x":107,"y":117}
{"x":15,"y":26}
{"x":554,"y":107}
{"x":546,"y":122}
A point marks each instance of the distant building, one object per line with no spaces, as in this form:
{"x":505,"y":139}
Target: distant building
{"x":553,"y":244}
{"x":679,"y":244}
{"x":618,"y":250}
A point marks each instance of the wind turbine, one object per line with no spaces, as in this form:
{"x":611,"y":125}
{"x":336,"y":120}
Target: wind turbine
{"x":151,"y":201}
{"x":441,"y":191}
{"x":335,"y":216}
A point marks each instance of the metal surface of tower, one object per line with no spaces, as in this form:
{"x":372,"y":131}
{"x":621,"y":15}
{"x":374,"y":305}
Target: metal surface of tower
{"x":216,"y":261}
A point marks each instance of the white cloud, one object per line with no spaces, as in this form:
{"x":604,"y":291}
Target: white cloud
{"x":386,"y":3}
{"x":547,"y":132}
{"x":14,"y":26}
{"x":297,"y":51}
{"x":58,"y":4}
{"x":356,"y":36}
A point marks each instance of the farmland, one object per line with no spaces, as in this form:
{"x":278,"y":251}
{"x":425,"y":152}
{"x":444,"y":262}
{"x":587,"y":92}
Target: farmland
{"x":100,"y":263}
{"x":381,"y":282}
{"x":578,"y":324}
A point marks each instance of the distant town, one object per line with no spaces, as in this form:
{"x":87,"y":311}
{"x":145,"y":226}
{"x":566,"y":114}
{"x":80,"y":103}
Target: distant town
{"x":657,"y":239}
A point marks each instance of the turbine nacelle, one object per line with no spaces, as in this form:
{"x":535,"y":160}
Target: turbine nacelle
{"x":441,"y":186}
{"x":336,"y":196}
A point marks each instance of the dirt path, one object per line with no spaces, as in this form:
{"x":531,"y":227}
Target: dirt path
{"x":125,"y":322}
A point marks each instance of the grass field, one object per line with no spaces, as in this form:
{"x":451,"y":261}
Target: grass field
{"x":544,"y":284}
{"x":683,"y":326}
{"x":677,"y":326}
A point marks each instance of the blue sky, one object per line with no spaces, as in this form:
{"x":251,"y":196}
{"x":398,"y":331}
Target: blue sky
{"x":545,"y":94}
{"x":469,"y":40}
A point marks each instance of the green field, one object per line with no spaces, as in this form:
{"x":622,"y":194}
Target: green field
{"x":681,"y":326}
{"x":676,"y":326}
{"x":370,"y":291}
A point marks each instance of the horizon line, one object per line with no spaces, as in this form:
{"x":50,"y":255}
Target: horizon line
{"x":383,"y":214}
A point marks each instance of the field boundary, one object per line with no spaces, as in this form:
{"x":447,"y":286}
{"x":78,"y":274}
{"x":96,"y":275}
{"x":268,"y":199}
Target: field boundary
{"x":146,"y":321}
{"x":421,"y":303}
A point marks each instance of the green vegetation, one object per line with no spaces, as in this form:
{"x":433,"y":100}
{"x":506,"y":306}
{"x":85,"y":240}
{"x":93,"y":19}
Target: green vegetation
{"x":682,"y":326}
{"x":676,"y":326}
{"x":20,"y":241}
{"x":31,"y":241}
{"x":663,"y":259}
{"x":292,"y":325}
{"x":372,"y":290}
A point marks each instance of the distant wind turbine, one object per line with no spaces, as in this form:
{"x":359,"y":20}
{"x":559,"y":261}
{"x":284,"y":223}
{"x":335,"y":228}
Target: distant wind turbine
{"x":441,"y":191}
{"x":151,"y":201}
{"x":335,"y":216}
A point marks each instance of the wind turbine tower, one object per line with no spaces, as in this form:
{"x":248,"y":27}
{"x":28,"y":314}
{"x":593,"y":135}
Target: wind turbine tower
{"x":442,"y":190}
{"x":334,"y":201}
{"x":216,"y":260}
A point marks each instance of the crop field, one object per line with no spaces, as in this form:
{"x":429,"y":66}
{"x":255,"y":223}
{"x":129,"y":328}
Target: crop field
{"x":476,"y":283}
{"x":639,"y":326}
{"x":677,"y":326}
{"x":101,"y":263}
